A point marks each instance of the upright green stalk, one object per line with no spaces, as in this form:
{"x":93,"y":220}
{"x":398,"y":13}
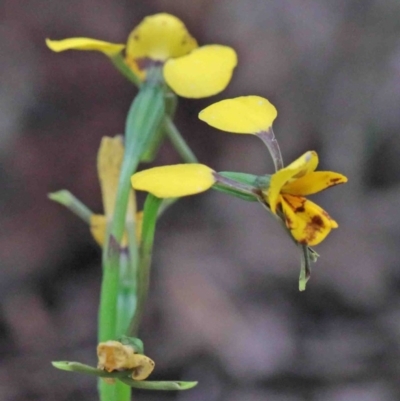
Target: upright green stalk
{"x":144,"y":117}
{"x":143,"y":278}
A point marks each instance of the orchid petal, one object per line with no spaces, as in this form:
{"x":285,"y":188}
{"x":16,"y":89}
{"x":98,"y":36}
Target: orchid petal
{"x":160,"y":37}
{"x":204,"y":72}
{"x":308,"y":223}
{"x":313,"y":182}
{"x":109,"y":161}
{"x":304,"y":165}
{"x":87,"y":44}
{"x":241,"y":115}
{"x":174,"y":181}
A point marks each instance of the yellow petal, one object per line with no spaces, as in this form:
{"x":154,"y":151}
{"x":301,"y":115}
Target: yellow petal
{"x":308,"y":223}
{"x":174,"y":181}
{"x":109,"y":161}
{"x":313,"y":182}
{"x":159,"y":37}
{"x":305,"y":164}
{"x":144,"y":366}
{"x":109,"y":49}
{"x":241,"y":115}
{"x":112,"y":355}
{"x":204,"y":72}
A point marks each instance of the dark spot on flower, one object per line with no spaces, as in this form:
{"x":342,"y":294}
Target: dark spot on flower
{"x":300,"y":209}
{"x":289,"y":222}
{"x":317,"y":221}
{"x":303,"y":241}
{"x":335,"y":180}
{"x":136,"y":37}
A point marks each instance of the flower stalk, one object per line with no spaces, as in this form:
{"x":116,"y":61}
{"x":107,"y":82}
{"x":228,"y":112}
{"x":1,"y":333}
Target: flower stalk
{"x":150,"y":213}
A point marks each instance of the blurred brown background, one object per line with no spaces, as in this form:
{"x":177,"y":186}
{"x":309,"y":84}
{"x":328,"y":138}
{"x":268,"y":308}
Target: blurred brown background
{"x":224,"y":305}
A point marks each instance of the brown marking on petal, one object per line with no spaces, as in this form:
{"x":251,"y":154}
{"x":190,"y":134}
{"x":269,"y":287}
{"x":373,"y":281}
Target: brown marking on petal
{"x":317,"y":221}
{"x":136,"y":37}
{"x":289,"y":223}
{"x":300,"y":209}
{"x":335,"y":180}
{"x":313,"y":227}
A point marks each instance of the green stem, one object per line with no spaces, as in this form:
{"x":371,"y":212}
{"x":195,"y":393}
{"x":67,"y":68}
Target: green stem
{"x":126,"y":293}
{"x":143,"y":278}
{"x":68,"y":200}
{"x":144,"y":116}
{"x":123,"y":68}
{"x":182,"y":148}
{"x":178,"y":142}
{"x":305,"y":270}
{"x":122,"y":391}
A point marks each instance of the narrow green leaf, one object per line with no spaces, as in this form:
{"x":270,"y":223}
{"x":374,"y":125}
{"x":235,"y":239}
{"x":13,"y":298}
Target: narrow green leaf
{"x":87,"y":369}
{"x":68,"y":200}
{"x":159,"y":385}
{"x":123,"y":377}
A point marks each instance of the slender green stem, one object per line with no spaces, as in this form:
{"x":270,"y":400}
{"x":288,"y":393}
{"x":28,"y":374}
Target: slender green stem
{"x":144,"y":117}
{"x":125,"y":308}
{"x":126,"y":293}
{"x":68,"y":200}
{"x":143,"y":279}
{"x":178,"y":142}
{"x":129,"y":260}
{"x":122,"y":391}
{"x":305,"y":270}
{"x":235,"y":185}
{"x":123,"y":68}
{"x":182,"y":148}
{"x":269,"y":139}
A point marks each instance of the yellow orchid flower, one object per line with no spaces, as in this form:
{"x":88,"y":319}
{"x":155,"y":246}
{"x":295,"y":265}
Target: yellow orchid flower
{"x":113,"y":355}
{"x":109,"y":161}
{"x":163,"y":39}
{"x":308,"y":223}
